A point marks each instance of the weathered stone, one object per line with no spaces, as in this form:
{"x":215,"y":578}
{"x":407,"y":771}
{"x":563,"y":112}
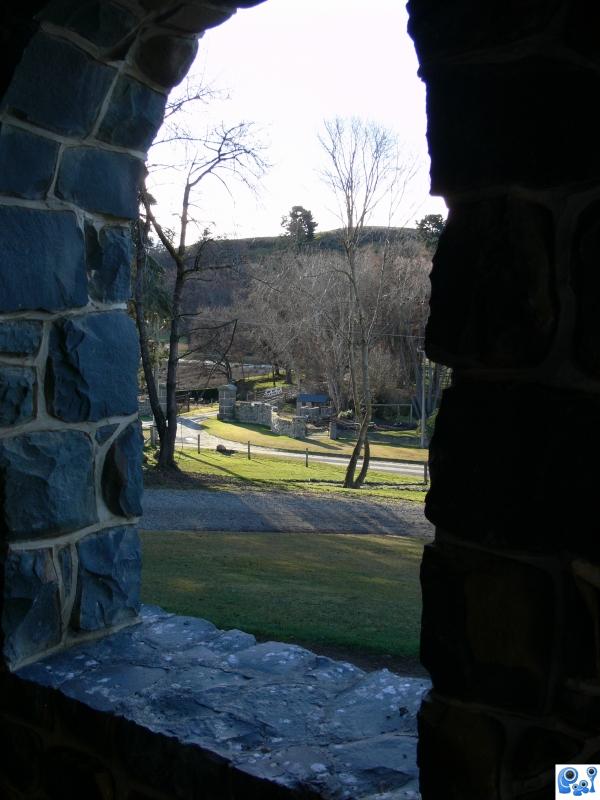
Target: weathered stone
{"x":469,"y":495}
{"x":188,"y":728}
{"x":31,"y":614}
{"x":100,"y":180}
{"x":459,"y":752}
{"x":439,"y":29}
{"x":20,"y":337}
{"x":48,"y":484}
{"x":109,"y":579}
{"x":17,"y":385}
{"x":92,"y":363}
{"x":102,"y":23}
{"x":165,"y":59}
{"x":122,"y":483}
{"x":104,"y":433}
{"x":492,"y":299}
{"x":109,"y":253}
{"x":58,"y":86}
{"x":508,"y":131}
{"x":45,"y":249}
{"x":190,"y":18}
{"x":274,"y":658}
{"x":134,"y":115}
{"x":27,"y":163}
{"x":489,"y":628}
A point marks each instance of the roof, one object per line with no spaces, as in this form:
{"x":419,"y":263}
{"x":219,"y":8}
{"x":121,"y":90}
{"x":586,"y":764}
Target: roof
{"x":313,"y":398}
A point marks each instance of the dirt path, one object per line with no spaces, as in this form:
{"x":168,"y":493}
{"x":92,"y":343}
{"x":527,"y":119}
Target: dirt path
{"x":197,"y":510}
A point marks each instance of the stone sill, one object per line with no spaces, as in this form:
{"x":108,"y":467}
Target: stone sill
{"x":184,"y":710}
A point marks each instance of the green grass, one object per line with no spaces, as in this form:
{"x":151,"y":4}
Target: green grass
{"x":258,"y":383}
{"x":263,"y":437}
{"x":282,"y":474}
{"x":344,"y":590}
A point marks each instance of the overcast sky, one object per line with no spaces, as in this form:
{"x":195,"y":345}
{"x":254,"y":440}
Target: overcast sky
{"x":289,"y":64}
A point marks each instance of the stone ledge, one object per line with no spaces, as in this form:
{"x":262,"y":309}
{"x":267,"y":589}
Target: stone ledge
{"x":183,"y":703}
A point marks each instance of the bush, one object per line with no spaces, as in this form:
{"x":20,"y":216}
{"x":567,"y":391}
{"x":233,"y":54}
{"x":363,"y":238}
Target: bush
{"x":349,"y":414}
{"x":430,"y":424}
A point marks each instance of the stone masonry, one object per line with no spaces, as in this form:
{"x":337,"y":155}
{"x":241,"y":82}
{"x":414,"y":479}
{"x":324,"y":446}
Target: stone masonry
{"x":510,"y":625}
{"x":256,"y":412}
{"x":86,"y":97}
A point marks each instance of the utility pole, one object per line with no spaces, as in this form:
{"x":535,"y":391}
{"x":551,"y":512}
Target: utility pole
{"x":423,"y":415}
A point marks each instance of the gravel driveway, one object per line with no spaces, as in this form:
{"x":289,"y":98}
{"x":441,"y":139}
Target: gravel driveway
{"x":190,"y":510}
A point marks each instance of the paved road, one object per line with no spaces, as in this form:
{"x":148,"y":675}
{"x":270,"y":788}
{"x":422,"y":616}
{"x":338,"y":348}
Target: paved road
{"x":189,"y":428}
{"x":192,"y":510}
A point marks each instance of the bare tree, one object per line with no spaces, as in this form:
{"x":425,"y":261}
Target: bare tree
{"x":225,"y":154}
{"x":364,"y":172}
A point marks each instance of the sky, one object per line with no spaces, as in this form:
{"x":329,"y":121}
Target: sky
{"x":286,"y":66}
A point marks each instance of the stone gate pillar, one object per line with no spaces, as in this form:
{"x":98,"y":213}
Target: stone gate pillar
{"x":511,"y":621}
{"x":227,"y":395}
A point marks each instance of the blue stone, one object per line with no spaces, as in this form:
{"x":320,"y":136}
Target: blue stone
{"x":102,"y":23}
{"x":92,"y":367}
{"x":104,"y":433}
{"x":17,"y":385}
{"x":109,"y":256}
{"x":66,"y":568}
{"x":20,"y":337}
{"x":166,"y":59}
{"x":134,"y":115}
{"x":58,"y":86}
{"x":122,"y":482}
{"x":42,"y":260}
{"x":31,"y":614}
{"x":27,"y":163}
{"x":109,"y":579}
{"x":100,"y":180}
{"x":48,"y":483}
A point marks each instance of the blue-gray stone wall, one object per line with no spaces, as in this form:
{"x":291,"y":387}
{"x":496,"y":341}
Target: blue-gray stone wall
{"x":83,"y":106}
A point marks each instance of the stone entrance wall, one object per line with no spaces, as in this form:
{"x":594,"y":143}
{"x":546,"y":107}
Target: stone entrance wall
{"x":258,"y":413}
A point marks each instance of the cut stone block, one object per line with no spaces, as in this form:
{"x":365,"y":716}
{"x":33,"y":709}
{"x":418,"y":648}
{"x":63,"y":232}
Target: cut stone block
{"x":92,"y":367}
{"x":108,"y":592}
{"x":17,"y":387}
{"x":48,"y":484}
{"x":31,"y":614}
{"x":45,"y":249}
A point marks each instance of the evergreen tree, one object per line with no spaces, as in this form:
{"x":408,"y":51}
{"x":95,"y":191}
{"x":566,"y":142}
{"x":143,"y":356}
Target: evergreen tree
{"x":299,"y":225}
{"x":430,"y":229}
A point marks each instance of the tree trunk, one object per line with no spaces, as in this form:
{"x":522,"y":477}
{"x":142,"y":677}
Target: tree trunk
{"x":166,"y":457}
{"x":365,"y":465}
{"x":140,"y":320}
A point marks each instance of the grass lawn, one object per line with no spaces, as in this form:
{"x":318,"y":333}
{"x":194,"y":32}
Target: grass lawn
{"x":283,"y":474}
{"x":350,"y":591}
{"x":263,"y":437}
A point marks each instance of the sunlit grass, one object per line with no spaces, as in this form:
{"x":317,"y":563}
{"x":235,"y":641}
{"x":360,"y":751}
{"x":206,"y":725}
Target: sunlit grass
{"x":346,"y":590}
{"x":262,"y":437}
{"x":283,"y":474}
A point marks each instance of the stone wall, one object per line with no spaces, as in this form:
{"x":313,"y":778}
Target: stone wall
{"x":258,"y":413}
{"x":253,"y":413}
{"x":295,"y":427}
{"x":72,"y":142}
{"x":510,"y":587}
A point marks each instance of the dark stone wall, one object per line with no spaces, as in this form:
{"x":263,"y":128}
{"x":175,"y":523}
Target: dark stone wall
{"x":85,"y":90}
{"x":510,"y":586}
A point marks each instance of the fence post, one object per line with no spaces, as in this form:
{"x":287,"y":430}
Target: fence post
{"x":249,"y":451}
{"x":425,"y":472}
{"x":306,"y":462}
{"x":198,"y":442}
